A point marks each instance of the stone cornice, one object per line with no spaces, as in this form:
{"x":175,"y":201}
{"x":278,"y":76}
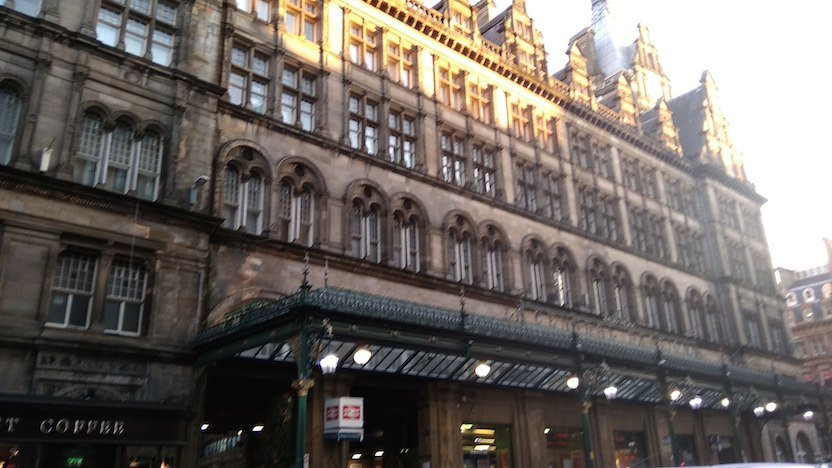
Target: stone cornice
{"x":113,"y":203}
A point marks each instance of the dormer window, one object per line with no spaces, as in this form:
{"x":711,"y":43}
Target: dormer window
{"x":809,"y":295}
{"x":791,"y":299}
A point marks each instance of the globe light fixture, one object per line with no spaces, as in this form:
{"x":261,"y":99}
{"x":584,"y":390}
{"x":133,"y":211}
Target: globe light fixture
{"x":675,"y":394}
{"x":329,"y":363}
{"x":695,"y":402}
{"x":573,"y":382}
{"x":204,"y":427}
{"x":257,"y":428}
{"x":610,"y":392}
{"x":482,"y":370}
{"x":759,"y":411}
{"x":362,"y":355}
{"x":808,"y":415}
{"x":771,"y":407}
{"x":725,"y":402}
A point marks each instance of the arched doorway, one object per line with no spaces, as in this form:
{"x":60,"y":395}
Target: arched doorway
{"x":780,"y":450}
{"x":803,"y":449}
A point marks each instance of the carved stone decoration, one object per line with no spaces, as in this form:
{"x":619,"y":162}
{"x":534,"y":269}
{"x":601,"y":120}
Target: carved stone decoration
{"x":86,"y":377}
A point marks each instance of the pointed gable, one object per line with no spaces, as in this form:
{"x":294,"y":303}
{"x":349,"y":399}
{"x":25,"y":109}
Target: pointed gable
{"x":703,"y":128}
{"x":577,"y":77}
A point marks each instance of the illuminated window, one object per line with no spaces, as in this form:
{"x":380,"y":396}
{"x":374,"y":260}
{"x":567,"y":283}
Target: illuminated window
{"x":363,"y":124}
{"x":145,"y":28}
{"x":260,"y":8}
{"x":301,"y":18}
{"x":453,"y":159}
{"x":363,"y":45}
{"x":479,"y":106}
{"x":400,"y":60}
{"x":450,"y":88}
{"x":248,"y":81}
{"x":298,"y":98}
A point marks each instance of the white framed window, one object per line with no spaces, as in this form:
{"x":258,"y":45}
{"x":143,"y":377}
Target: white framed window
{"x":401,"y":140}
{"x":145,"y":28}
{"x":366,"y":232}
{"x":261,"y":9}
{"x":301,"y":18}
{"x":363,"y":124}
{"x":248,"y":79}
{"x":363,"y":48}
{"x":485,"y":170}
{"x":10,"y":108}
{"x":406,"y":248}
{"x":297,"y":214}
{"x":494,"y":268}
{"x":27,"y":7}
{"x":126,"y":289}
{"x":454,"y":159}
{"x":459,"y":255}
{"x":117,"y":159}
{"x":73,"y":283}
{"x":297,"y":99}
{"x":537,"y":276}
{"x":243,"y":200}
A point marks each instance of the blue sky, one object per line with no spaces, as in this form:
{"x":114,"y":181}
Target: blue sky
{"x":771,"y":61}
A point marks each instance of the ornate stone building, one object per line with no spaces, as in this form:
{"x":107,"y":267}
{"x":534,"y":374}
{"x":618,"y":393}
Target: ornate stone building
{"x":514,"y":267}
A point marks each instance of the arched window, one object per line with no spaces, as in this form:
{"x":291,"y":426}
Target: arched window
{"x":298,"y":192}
{"x":650,"y":290}
{"x":493,"y":247}
{"x":803,"y":449}
{"x":536,"y":264}
{"x":460,"y":241}
{"x":713,"y":327}
{"x":118,"y":159}
{"x":791,"y":298}
{"x":406,"y":242}
{"x":243,"y":200}
{"x":365,"y":224}
{"x":599,"y":284}
{"x":695,"y":314}
{"x":562,"y":270}
{"x":622,"y":293}
{"x":10,"y":107}
{"x":671,"y":308}
{"x":809,"y":295}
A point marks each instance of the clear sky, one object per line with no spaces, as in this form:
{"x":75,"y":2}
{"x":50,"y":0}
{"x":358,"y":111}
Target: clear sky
{"x":772,"y":63}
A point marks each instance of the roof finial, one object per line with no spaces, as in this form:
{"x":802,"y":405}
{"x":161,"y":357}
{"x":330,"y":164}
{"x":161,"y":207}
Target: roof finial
{"x":305,"y":286}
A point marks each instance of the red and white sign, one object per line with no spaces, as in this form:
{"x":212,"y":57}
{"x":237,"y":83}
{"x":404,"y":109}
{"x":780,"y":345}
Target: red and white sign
{"x":344,"y":413}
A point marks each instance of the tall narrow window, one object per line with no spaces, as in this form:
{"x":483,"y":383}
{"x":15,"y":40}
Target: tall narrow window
{"x":552,"y":197}
{"x":125,"y":303}
{"x":248,"y":81}
{"x":259,"y":8}
{"x":479,"y":106}
{"x":297,"y":99}
{"x":10,"y":107}
{"x":753,"y":333}
{"x":459,"y":253}
{"x":363,"y":124}
{"x":526,"y":187}
{"x":671,"y":309}
{"x":73,"y":281}
{"x":520,"y":122}
{"x":89,"y":149}
{"x":297,"y":213}
{"x":301,"y":18}
{"x":562,"y":267}
{"x":243,"y":201}
{"x":149,"y":166}
{"x":450,"y":88}
{"x":119,"y":158}
{"x":485,"y":177}
{"x":406,"y":242}
{"x":493,"y":262}
{"x":401,"y":140}
{"x":542,"y":132}
{"x":712,"y":321}
{"x":696,"y":315}
{"x":366,"y":232}
{"x":622,"y":291}
{"x":652,"y":306}
{"x":453,"y":159}
{"x":599,"y":281}
{"x":587,"y":206}
{"x":363,"y":45}
{"x":537,"y":275}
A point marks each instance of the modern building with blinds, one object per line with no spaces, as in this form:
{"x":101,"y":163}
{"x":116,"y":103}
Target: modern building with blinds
{"x":507,"y":265}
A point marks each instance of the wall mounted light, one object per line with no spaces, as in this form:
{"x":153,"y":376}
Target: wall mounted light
{"x":808,"y":415}
{"x":329,"y":363}
{"x":695,"y":402}
{"x":759,"y":411}
{"x":610,"y":392}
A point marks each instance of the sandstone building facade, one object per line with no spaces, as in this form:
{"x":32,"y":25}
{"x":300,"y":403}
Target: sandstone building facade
{"x":165,"y":167}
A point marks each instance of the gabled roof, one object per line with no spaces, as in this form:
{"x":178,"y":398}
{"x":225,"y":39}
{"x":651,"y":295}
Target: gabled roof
{"x":689,"y":118}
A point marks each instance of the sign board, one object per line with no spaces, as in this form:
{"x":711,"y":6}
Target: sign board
{"x":344,"y":418}
{"x":344,"y":413}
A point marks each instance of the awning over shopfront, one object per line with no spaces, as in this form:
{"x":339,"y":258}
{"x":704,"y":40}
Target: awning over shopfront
{"x":420,"y":341}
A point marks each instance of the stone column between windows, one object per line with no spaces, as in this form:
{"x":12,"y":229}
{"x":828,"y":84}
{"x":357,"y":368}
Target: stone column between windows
{"x":105,"y":265}
{"x":568,"y":197}
{"x":31,"y":150}
{"x":65,"y":141}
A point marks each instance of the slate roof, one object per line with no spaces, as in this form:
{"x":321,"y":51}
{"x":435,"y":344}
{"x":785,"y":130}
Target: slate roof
{"x":688,"y":117}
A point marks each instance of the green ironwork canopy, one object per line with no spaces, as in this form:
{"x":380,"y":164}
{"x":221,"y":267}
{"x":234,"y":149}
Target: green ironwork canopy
{"x":421,"y":341}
